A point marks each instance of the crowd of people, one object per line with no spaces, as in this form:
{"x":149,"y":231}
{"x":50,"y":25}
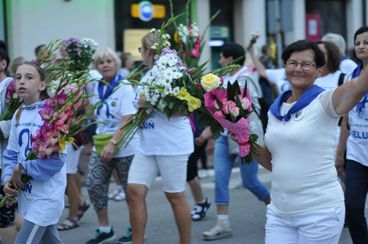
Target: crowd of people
{"x":315,"y":145}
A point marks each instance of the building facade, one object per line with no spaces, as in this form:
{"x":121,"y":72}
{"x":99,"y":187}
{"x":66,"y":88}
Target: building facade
{"x":119,"y":24}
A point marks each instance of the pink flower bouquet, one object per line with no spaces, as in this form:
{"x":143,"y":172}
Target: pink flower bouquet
{"x":231,"y":108}
{"x":13,"y":102}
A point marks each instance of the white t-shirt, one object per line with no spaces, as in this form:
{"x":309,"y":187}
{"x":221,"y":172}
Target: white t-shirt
{"x":278,"y":78}
{"x":110,"y":115}
{"x":347,"y":66}
{"x":330,"y":81}
{"x":160,"y":135}
{"x":357,"y":143}
{"x":304,"y":177}
{"x":42,"y":202}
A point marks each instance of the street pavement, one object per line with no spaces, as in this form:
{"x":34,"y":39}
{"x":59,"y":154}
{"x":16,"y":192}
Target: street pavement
{"x":247,"y":216}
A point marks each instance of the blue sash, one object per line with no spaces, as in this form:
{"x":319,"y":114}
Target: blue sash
{"x":307,"y":97}
{"x":360,"y":105}
{"x":104,"y":95}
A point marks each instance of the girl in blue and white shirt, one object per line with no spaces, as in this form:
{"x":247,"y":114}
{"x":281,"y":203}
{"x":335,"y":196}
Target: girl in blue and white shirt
{"x":41,"y":200}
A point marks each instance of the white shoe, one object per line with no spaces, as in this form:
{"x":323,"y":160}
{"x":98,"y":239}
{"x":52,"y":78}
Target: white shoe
{"x":120,"y":196}
{"x":203,"y":173}
{"x":115,"y":192}
{"x":219,"y":231}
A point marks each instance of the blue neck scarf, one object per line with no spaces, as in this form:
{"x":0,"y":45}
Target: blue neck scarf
{"x":110,"y":88}
{"x":307,"y":97}
{"x":114,"y":82}
{"x":360,"y":105}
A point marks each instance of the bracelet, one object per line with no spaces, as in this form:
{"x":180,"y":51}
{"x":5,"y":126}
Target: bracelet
{"x":113,"y":142}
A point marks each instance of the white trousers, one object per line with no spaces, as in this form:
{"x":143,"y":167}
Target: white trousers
{"x":319,"y":227}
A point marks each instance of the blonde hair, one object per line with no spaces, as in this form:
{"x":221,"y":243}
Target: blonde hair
{"x":107,"y":53}
{"x":150,"y":39}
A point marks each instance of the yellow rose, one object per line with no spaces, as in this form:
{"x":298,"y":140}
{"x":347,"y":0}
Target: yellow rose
{"x":210,"y":82}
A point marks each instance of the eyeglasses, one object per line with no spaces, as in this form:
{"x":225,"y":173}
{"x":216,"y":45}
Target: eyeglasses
{"x":292,"y":64}
{"x":140,"y":49}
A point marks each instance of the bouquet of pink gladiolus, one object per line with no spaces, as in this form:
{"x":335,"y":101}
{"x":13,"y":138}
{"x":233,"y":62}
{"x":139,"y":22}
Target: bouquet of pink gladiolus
{"x":61,"y":114}
{"x":231,"y":107}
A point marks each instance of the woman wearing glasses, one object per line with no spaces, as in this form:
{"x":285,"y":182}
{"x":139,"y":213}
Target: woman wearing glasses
{"x":307,"y":203}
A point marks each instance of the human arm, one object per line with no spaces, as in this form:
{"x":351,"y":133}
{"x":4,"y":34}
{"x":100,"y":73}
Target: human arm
{"x":204,"y":136}
{"x":109,"y":149}
{"x":346,"y":96}
{"x":341,"y":147}
{"x":261,"y":69}
{"x":263,"y":157}
{"x":44,"y":169}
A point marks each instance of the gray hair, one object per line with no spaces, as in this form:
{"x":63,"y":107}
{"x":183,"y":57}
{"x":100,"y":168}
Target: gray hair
{"x":336,"y":39}
{"x":107,"y":53}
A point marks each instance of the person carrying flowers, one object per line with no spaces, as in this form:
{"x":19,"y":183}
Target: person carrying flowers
{"x":165,"y":144}
{"x":8,"y":228}
{"x":41,"y":200}
{"x":113,"y":102}
{"x":224,"y":156}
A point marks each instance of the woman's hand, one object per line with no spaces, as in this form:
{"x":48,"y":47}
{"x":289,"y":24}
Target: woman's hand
{"x":107,"y":153}
{"x":142,"y":102}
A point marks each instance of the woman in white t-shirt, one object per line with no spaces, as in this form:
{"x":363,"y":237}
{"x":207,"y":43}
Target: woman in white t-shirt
{"x":114,"y":107}
{"x":330,"y":74}
{"x":354,"y":140}
{"x":164,"y":147}
{"x":307,"y":201}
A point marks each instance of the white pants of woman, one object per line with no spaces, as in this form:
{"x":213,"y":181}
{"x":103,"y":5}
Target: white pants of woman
{"x":321,"y":226}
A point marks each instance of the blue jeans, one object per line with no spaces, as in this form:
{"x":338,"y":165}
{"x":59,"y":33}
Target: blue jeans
{"x":356,"y":181}
{"x":223,"y":166}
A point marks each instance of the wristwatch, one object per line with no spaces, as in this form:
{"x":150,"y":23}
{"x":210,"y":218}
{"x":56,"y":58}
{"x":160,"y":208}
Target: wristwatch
{"x":113,"y":142}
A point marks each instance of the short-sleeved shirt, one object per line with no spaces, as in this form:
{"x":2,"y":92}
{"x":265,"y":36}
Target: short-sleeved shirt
{"x":304,"y":177}
{"x":111,"y":112}
{"x":279,"y":79}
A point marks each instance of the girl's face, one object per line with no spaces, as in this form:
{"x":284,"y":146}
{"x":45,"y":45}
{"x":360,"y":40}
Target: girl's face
{"x":361,"y":46}
{"x":107,"y":68}
{"x":28,"y":84}
{"x":301,"y":69}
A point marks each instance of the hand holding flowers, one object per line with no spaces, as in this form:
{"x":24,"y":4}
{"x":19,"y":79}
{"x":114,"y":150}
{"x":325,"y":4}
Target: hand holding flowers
{"x":61,"y":120}
{"x":253,"y":40}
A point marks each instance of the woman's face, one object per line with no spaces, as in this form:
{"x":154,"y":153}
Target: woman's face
{"x":146,"y":55}
{"x":301,"y":69}
{"x":107,"y":67}
{"x":361,"y":46}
